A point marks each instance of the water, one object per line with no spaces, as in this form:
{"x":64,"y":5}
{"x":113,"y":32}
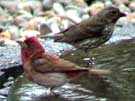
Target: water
{"x":119,"y":85}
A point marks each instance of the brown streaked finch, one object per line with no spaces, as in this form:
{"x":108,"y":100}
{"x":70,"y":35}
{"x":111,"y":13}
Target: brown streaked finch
{"x":90,"y":33}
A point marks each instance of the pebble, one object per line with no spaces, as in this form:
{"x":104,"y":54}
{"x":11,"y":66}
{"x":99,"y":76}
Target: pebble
{"x":31,"y":6}
{"x":14,"y":31}
{"x":96,"y":7}
{"x":8,"y":42}
{"x":54,"y":16}
{"x":29,"y":33}
{"x":4,"y":91}
{"x":54,"y":26}
{"x":74,"y":15}
{"x":58,"y":9}
{"x":5,"y":35}
{"x":9,"y":82}
{"x":2,"y":42}
{"x":34,"y":23}
{"x":121,"y":1}
{"x":131,"y":17}
{"x":124,"y":8}
{"x":47,"y":4}
{"x":3,"y":98}
{"x":44,"y":29}
{"x":132,"y":5}
{"x":19,"y":21}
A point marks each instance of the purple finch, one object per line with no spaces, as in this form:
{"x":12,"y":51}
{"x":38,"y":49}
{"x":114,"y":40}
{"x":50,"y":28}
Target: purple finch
{"x":49,"y":70}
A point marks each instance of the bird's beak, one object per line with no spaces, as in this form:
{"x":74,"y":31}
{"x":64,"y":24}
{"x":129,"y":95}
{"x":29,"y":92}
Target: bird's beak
{"x":22,"y":43}
{"x":122,"y":14}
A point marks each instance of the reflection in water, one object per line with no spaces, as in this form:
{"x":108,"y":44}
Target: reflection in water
{"x":117,"y":86}
{"x":68,"y":92}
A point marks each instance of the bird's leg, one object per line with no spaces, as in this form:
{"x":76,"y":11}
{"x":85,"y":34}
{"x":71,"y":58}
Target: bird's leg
{"x":89,"y":60}
{"x":50,"y":92}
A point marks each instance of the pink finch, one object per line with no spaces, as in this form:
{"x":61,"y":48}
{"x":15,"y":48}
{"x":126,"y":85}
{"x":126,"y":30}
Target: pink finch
{"x":46,"y":69}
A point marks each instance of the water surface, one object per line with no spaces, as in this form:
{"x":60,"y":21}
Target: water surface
{"x":119,"y":85}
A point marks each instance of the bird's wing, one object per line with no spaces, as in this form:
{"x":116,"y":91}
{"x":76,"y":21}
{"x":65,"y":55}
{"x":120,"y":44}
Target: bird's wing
{"x":45,"y":63}
{"x":50,"y":63}
{"x":81,"y":31}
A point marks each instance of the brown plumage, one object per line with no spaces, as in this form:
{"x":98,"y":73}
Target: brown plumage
{"x":92,"y":32}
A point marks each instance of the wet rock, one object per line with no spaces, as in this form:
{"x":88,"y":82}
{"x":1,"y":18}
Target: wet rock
{"x":5,"y":35}
{"x":74,"y":15}
{"x":121,"y":1}
{"x":132,"y":5}
{"x":4,"y":12}
{"x":29,"y":33}
{"x":9,"y":82}
{"x":47,"y":4}
{"x":7,"y":57}
{"x":34,"y":23}
{"x":54,"y":25}
{"x":131,"y":17}
{"x":124,"y":8}
{"x":19,"y":21}
{"x":1,"y":29}
{"x":24,"y":6}
{"x":25,"y":14}
{"x":2,"y":77}
{"x":96,"y":7}
{"x":65,"y":24}
{"x":44,"y":29}
{"x":108,"y":3}
{"x":58,"y":8}
{"x":2,"y":42}
{"x":10,"y":5}
{"x":6,"y":21}
{"x":30,"y":6}
{"x":4,"y":91}
{"x":3,"y":98}
{"x":85,"y":16}
{"x":8,"y":42}
{"x":14,"y":31}
{"x":10,"y":79}
{"x":124,"y":30}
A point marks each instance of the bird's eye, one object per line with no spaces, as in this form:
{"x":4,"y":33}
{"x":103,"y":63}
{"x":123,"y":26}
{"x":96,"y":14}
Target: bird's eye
{"x":30,"y":45}
{"x":114,"y":12}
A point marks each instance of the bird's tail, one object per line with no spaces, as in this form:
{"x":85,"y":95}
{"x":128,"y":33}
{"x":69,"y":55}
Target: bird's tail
{"x":53,"y":36}
{"x":98,"y":72}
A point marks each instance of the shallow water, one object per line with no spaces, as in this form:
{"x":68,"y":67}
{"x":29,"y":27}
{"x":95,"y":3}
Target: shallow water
{"x":119,"y":85}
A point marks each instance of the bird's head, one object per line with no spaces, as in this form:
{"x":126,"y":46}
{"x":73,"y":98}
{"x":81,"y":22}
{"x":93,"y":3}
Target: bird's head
{"x":110,"y":14}
{"x":30,"y":46}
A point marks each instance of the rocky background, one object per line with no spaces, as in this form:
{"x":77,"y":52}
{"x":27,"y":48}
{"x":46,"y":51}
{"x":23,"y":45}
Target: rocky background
{"x":22,"y":18}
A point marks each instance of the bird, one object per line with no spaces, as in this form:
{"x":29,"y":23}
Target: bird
{"x":92,"y":32}
{"x":50,"y":70}
{"x":89,"y":33}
